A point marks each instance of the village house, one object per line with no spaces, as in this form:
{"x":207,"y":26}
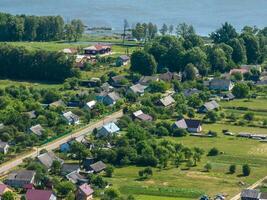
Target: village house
{"x":138,"y":89}
{"x":76,"y":178}
{"x":190,"y":92}
{"x":209,"y":106}
{"x":71,"y":118}
{"x":251,"y":194}
{"x":3,"y":189}
{"x":118,"y":81}
{"x":108,"y":129}
{"x":221,"y":84}
{"x":251,"y":67}
{"x":191,"y":125}
{"x":108,"y":98}
{"x":262,"y":81}
{"x":31,"y":114}
{"x":122,"y":60}
{"x":169,"y":76}
{"x":167,"y":101}
{"x":84,"y":192}
{"x":146,"y":80}
{"x":37,"y":130}
{"x":4,"y":147}
{"x":34,"y":194}
{"x":90,"y":105}
{"x":228,"y":97}
{"x":106,"y":87}
{"x":48,"y":158}
{"x":20,"y":178}
{"x":80,"y":60}
{"x":67,"y":168}
{"x":65,"y":147}
{"x":97,"y":50}
{"x":58,"y":103}
{"x":98,"y":167}
{"x":142,"y":116}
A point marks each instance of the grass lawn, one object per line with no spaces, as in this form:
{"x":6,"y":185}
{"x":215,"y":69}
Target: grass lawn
{"x":38,"y":85}
{"x":258,"y":104}
{"x":146,"y":197}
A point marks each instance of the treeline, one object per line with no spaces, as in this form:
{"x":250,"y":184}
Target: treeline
{"x":187,"y":52}
{"x":20,"y":63}
{"x":38,"y":28}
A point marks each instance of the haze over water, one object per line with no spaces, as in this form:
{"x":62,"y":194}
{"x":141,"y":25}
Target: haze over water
{"x":204,"y":15}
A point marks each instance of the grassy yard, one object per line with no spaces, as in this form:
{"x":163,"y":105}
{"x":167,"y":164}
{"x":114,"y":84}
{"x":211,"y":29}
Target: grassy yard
{"x":38,"y":85}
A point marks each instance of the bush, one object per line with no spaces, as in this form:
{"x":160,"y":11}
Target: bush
{"x":249,"y":116}
{"x":179,"y":132}
{"x":232,"y":169}
{"x":208,"y":167}
{"x":246,"y":170}
{"x":213,"y":152}
{"x":145,"y":173}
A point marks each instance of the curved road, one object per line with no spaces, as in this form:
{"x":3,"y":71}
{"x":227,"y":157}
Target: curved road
{"x":6,"y":167}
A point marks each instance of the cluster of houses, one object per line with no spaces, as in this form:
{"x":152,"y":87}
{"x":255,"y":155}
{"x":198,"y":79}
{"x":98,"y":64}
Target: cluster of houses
{"x":73,"y":172}
{"x":89,"y":54}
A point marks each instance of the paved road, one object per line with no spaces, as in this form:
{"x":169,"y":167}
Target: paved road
{"x":4,"y":168}
{"x":253,"y":186}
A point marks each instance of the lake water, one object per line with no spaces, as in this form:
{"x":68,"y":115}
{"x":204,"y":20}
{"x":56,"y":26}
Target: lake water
{"x":204,"y":15}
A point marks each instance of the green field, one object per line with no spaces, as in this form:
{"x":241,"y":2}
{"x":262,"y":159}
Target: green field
{"x":195,"y":181}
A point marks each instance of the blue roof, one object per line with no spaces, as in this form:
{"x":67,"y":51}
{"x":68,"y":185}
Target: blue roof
{"x":111,"y":127}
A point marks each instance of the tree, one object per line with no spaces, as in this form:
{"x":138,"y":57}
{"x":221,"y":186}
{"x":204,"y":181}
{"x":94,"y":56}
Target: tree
{"x":246,"y":170}
{"x":109,"y":171}
{"x":8,"y":196}
{"x":158,"y":86}
{"x":241,"y":90}
{"x":189,"y":73}
{"x":78,"y":28}
{"x":208,"y":167}
{"x":64,"y":188}
{"x":171,"y":28}
{"x":252,"y":48}
{"x":145,"y":173}
{"x":56,"y":167}
{"x":249,"y":116}
{"x":138,"y":31}
{"x":164,"y":29}
{"x":69,"y":32}
{"x":184,"y":30}
{"x":213,"y":152}
{"x":111,"y":194}
{"x":125,"y":27}
{"x":224,"y":34}
{"x":143,"y":63}
{"x":239,"y":55}
{"x":179,"y":132}
{"x":232,"y":169}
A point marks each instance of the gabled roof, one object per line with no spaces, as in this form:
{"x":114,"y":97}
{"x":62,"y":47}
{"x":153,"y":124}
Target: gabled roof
{"x":69,"y":167}
{"x":22,"y":175}
{"x":148,"y":79}
{"x":114,"y":96}
{"x":91,"y":104}
{"x":188,"y":123}
{"x":58,"y":103}
{"x":142,"y":116}
{"x":75,"y":177}
{"x":167,"y":101}
{"x":38,"y":194}
{"x":191,"y":91}
{"x":138,"y":88}
{"x":37,"y":129}
{"x":111,"y":127}
{"x":211,"y":105}
{"x":118,"y":78}
{"x":254,"y":194}
{"x":86,"y":189}
{"x":31,"y":114}
{"x":71,"y":116}
{"x":220,"y":82}
{"x":47,"y":159}
{"x":124,"y":58}
{"x":98,"y":166}
{"x":97,"y":47}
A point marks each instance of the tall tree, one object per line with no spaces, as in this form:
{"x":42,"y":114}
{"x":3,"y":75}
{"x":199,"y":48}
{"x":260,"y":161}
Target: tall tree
{"x":164,"y":29}
{"x":224,"y":34}
{"x":125,"y":27}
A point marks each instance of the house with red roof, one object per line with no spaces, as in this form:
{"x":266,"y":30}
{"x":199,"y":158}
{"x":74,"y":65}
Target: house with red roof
{"x":98,"y":49}
{"x":84,"y":192}
{"x":3,"y":189}
{"x":40,"y":195}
